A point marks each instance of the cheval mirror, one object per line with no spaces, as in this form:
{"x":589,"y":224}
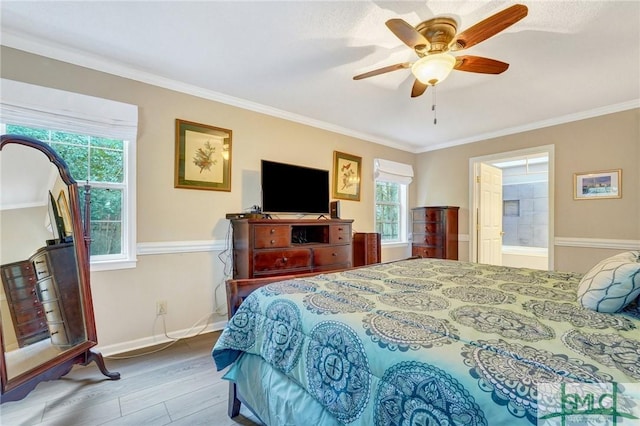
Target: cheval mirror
{"x":47,"y":322}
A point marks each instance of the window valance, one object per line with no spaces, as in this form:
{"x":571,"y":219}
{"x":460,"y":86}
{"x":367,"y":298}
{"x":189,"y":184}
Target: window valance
{"x":44,"y":107}
{"x":391,"y":171}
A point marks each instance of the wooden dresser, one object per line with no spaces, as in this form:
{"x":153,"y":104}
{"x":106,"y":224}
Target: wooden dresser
{"x":435,"y":232}
{"x":44,"y":297}
{"x":272,"y":247}
{"x":27,"y":314}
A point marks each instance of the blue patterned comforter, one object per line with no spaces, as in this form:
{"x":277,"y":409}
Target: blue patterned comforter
{"x":432,"y":340}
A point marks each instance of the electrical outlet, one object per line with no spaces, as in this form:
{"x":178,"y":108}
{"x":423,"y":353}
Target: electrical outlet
{"x":161,"y":307}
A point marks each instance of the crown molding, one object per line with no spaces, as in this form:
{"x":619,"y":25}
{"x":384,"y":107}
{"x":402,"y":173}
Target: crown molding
{"x":62,"y":53}
{"x":596,"y":112}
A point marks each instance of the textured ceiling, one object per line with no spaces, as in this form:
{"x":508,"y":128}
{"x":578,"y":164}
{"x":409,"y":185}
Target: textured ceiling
{"x":568,"y":60}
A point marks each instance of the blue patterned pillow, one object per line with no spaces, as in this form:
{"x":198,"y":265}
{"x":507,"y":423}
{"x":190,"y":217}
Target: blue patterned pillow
{"x":612,"y":284}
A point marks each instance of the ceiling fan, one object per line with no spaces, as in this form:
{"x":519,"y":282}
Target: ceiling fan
{"x":432,"y":40}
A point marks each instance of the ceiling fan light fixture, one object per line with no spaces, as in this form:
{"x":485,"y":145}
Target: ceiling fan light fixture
{"x":433,"y":69}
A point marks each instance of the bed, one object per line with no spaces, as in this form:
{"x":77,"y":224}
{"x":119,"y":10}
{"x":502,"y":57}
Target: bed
{"x":420,"y":341}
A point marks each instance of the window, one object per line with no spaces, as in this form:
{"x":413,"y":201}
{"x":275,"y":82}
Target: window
{"x":389,"y":210}
{"x":391,"y":187}
{"x":96,"y":138}
{"x":100,"y":163}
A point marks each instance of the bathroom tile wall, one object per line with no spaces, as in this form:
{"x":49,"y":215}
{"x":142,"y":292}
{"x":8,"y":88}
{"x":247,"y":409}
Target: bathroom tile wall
{"x":527,"y":226}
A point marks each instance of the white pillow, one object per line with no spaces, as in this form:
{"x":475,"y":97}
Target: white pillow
{"x":612,"y":284}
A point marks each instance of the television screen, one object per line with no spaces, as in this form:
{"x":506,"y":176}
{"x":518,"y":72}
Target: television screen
{"x":289,"y":188}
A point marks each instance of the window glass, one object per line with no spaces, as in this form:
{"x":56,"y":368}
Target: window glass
{"x":389,"y":210}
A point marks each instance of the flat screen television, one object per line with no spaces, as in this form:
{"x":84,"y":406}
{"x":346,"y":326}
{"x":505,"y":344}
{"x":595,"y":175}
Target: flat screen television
{"x":290,"y":188}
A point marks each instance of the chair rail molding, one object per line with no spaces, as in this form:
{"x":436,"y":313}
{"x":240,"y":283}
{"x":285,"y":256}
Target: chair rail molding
{"x":601,"y":243}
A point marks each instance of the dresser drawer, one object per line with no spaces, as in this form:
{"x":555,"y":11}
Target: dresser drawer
{"x":331,"y":255}
{"x":433,"y":240}
{"x":428,"y":215}
{"x":26,"y":304}
{"x":425,"y":251}
{"x":41,"y":267}
{"x":25,"y":292}
{"x":20,"y":284}
{"x":272,"y":236}
{"x":22,"y":269}
{"x":428,"y":227}
{"x":52,"y":311}
{"x":31,"y":328}
{"x":28,"y":315}
{"x":339,"y":234}
{"x":58,"y":334}
{"x":47,"y":290}
{"x":270,"y":260}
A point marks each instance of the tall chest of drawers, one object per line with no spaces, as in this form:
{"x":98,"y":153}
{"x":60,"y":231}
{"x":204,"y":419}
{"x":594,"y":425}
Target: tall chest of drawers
{"x":57,"y":286}
{"x":272,"y":247}
{"x":435,"y":232}
{"x":27,"y":314}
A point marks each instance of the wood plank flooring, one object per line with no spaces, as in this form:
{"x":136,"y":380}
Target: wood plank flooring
{"x":178,"y":385}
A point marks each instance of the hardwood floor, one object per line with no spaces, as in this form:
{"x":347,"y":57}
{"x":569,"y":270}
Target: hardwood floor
{"x":178,"y":385}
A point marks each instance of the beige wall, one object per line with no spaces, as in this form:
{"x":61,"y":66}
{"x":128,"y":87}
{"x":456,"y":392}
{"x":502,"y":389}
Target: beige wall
{"x":192,"y":283}
{"x":601,"y":143}
{"x":125,"y":300}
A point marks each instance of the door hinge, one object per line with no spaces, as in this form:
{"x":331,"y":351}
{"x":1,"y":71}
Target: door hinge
{"x":477,"y":179}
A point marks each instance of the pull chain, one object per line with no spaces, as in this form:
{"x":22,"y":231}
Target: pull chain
{"x":433,"y":106}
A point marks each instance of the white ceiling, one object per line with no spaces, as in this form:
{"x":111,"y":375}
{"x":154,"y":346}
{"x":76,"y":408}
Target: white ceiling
{"x":296,"y":59}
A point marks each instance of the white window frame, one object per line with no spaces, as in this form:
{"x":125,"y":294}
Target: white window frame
{"x":46,"y":108}
{"x":401,"y":174}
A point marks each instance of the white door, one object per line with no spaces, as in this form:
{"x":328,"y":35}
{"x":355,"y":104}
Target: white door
{"x":490,"y":215}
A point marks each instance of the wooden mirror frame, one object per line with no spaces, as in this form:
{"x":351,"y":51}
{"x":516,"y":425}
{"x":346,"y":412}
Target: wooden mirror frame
{"x":18,"y":387}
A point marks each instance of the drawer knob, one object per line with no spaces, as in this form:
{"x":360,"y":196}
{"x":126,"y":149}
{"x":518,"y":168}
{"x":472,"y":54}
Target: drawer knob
{"x":273,"y":231}
{"x":55,"y":332}
{"x":272,"y":241}
{"x":45,"y":289}
{"x":284,"y":259}
{"x":48,"y":312}
{"x":334,"y":254}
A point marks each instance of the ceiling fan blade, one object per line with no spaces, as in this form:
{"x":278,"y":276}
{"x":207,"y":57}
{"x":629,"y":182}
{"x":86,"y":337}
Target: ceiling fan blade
{"x":383,"y":70}
{"x":409,"y":35}
{"x":489,"y":27}
{"x":480,"y":65}
{"x":418,"y":88}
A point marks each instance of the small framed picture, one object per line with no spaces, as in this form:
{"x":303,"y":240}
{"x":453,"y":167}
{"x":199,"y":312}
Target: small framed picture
{"x":346,"y":176}
{"x":597,"y":185}
{"x":203,"y":157}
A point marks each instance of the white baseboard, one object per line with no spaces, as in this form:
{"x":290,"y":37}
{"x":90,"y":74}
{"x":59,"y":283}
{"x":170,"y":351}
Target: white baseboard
{"x":158,"y":339}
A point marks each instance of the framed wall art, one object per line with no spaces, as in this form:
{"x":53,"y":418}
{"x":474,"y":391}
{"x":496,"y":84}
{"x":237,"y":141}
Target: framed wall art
{"x":203,"y":157}
{"x":597,"y":185}
{"x":346,"y":176}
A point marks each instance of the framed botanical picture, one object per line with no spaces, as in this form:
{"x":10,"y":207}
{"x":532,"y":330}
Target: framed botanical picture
{"x":203,"y":157}
{"x":597,"y":185}
{"x":346,"y":176}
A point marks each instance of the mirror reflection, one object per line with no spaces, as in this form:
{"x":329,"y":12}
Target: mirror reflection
{"x":40,"y":297}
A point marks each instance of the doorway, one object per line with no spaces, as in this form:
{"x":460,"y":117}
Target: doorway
{"x":511,"y":208}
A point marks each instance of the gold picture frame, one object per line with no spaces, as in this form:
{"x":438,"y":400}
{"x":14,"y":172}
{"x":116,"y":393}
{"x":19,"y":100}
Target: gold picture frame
{"x":63,"y":210}
{"x":203,"y":156}
{"x":347,"y":171}
{"x":597,"y":185}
